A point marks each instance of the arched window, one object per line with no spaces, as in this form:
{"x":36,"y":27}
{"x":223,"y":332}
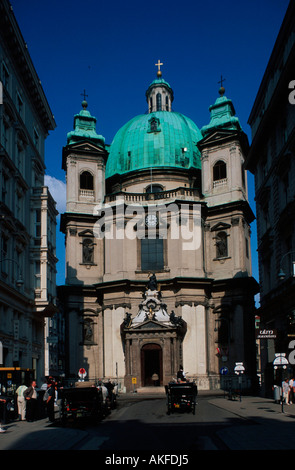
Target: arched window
{"x":221,"y":245}
{"x":154,"y":188}
{"x":86,"y":180}
{"x":159,"y":102}
{"x":219,"y":170}
{"x":167,"y":103}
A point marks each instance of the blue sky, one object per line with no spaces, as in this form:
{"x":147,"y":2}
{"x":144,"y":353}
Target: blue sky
{"x":109,"y":48}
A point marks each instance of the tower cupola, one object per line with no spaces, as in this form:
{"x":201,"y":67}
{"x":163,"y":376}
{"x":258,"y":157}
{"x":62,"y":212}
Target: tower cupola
{"x":159,"y":94}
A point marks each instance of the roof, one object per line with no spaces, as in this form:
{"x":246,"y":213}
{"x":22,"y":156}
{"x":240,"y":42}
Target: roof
{"x":222,"y":115}
{"x":84,"y":128}
{"x":159,"y":139}
{"x":19,"y":53}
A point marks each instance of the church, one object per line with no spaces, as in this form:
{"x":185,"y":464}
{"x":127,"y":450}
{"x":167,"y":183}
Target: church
{"x":158,"y":258}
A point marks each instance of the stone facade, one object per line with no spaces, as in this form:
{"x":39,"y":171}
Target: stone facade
{"x":27,"y":209}
{"x":197,"y":223}
{"x":271,"y":160}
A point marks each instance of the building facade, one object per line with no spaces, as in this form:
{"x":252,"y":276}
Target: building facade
{"x":272,"y":160}
{"x":27,"y":209}
{"x":158,"y":262}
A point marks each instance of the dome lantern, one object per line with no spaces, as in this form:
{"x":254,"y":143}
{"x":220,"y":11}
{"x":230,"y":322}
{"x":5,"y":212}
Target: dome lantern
{"x":159,"y":94}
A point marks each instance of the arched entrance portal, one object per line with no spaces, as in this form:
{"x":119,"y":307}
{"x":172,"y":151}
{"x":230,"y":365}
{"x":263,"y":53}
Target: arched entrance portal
{"x":151,"y":363}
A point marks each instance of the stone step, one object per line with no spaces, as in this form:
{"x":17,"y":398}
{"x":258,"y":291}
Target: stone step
{"x":151,"y":390}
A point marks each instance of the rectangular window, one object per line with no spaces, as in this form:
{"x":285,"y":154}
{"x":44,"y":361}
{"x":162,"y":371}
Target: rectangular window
{"x":152,"y":254}
{"x":37,"y":274}
{"x":38,"y":223}
{"x":19,"y":104}
{"x":36,"y":138}
{"x":4,"y":253}
{"x":5,"y":75}
{"x":247,"y":247}
{"x":4,"y":187}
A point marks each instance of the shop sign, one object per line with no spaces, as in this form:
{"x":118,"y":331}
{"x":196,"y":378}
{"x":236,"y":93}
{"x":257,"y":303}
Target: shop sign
{"x":263,"y":333}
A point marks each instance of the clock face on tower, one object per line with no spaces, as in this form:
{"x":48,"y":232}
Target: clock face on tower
{"x":151,"y":220}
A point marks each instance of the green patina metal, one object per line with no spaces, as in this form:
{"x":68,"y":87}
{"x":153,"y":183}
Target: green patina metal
{"x":222,"y":115}
{"x":160,"y":82}
{"x":84,"y":128}
{"x":158,"y":139}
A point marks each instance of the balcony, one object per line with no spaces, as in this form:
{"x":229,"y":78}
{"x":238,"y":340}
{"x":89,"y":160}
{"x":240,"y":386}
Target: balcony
{"x":178,"y":193}
{"x":219,"y":183}
{"x":86,"y":194}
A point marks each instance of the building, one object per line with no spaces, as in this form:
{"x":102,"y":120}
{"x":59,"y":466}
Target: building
{"x":27,"y":209}
{"x":272,"y":160}
{"x":158,"y":262}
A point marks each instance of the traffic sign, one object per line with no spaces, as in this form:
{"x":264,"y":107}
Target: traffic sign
{"x":280,"y":361}
{"x":239,"y":368}
{"x":82,"y":373}
{"x":224,"y":370}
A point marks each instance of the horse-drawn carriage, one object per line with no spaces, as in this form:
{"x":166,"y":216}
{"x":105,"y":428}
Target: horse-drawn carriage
{"x":83,"y":400}
{"x":181,"y":396}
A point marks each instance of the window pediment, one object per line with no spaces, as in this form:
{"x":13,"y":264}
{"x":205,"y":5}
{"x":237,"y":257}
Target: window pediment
{"x":220,"y":226}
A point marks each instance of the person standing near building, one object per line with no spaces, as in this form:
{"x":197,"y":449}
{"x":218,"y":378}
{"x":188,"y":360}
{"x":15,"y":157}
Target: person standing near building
{"x":30,"y":395}
{"x":50,"y":400}
{"x":2,"y":405}
{"x":285,"y":387}
{"x":21,"y":402}
{"x":291,"y":383}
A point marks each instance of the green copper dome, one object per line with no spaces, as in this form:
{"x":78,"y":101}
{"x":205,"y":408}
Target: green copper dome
{"x":158,"y":139}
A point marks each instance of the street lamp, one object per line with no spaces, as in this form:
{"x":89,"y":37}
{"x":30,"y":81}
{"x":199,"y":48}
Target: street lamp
{"x":19,"y":282}
{"x":281,"y":274}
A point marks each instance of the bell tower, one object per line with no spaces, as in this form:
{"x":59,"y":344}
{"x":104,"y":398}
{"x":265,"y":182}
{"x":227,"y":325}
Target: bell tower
{"x":224,"y":146}
{"x":84,"y":160}
{"x":224,"y":185}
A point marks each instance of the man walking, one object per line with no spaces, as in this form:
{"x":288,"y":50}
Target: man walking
{"x":30,"y":395}
{"x":21,"y":402}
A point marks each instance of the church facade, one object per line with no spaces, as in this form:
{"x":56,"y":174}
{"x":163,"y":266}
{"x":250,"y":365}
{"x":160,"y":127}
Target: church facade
{"x":158,"y":261}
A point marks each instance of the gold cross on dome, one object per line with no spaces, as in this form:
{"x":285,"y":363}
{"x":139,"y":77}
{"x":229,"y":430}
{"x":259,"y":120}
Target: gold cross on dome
{"x":159,"y":65}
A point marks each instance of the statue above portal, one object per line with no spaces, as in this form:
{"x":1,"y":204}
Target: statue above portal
{"x":152,"y":284}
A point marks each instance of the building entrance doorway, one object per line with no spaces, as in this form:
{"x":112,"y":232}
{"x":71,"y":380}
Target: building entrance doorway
{"x":151,"y":365}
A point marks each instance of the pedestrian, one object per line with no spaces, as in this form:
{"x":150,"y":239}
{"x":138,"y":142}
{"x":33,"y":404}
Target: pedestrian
{"x":285,"y":387}
{"x":21,"y":402}
{"x":44,"y":385}
{"x":30,"y":395}
{"x":50,"y":399}
{"x":2,"y":412}
{"x":291,"y":382}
